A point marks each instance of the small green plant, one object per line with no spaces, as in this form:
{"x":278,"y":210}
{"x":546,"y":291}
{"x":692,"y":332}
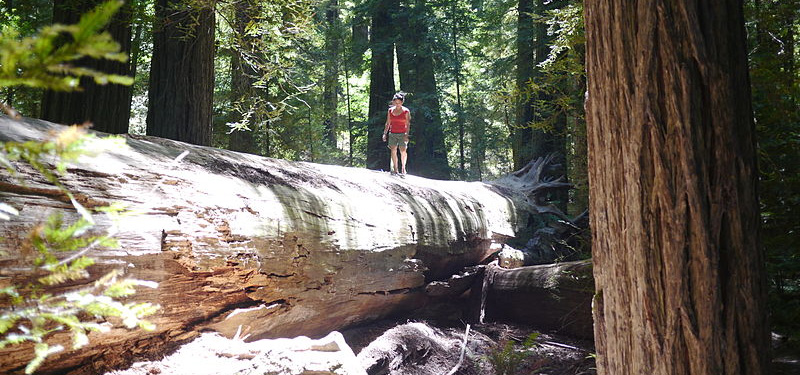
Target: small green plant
{"x":508,"y":357}
{"x":56,"y":254}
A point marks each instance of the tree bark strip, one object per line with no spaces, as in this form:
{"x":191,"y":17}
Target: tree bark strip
{"x":674,"y":211}
{"x":182,"y":72}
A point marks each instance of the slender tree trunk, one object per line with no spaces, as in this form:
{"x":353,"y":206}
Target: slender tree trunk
{"x":359,"y":42}
{"x":108,"y":106}
{"x":330,"y":89}
{"x":457,"y":74}
{"x":182,"y":72}
{"x":381,"y":85}
{"x":578,"y":160}
{"x":674,"y":211}
{"x":136,"y":50}
{"x":350,"y":137}
{"x":522,"y":134}
{"x":554,"y":140}
{"x":243,"y":76}
{"x":477,"y":148}
{"x":789,"y":41}
{"x":427,"y":155}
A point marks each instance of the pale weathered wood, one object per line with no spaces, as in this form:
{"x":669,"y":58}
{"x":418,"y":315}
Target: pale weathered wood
{"x":674,"y":211}
{"x":280,"y":248}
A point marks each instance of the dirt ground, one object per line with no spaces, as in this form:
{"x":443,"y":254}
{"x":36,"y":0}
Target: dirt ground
{"x":407,"y":347}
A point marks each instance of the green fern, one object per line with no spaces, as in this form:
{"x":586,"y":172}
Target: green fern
{"x":29,"y":313}
{"x":507,"y":358}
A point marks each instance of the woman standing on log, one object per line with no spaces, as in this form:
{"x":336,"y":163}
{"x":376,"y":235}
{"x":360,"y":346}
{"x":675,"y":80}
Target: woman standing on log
{"x":398,"y":124}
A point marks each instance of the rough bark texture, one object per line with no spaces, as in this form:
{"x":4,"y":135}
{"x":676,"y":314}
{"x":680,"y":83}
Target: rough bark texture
{"x":381,"y":84}
{"x":674,"y":214}
{"x":553,"y":297}
{"x":276,"y":247}
{"x":182,"y":72}
{"x":427,"y":155}
{"x":108,"y":106}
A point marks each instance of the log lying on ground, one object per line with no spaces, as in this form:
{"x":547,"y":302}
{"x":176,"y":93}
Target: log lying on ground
{"x":553,"y":297}
{"x":280,"y":248}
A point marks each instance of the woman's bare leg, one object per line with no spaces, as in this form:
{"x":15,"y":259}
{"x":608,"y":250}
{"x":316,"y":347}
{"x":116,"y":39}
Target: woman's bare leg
{"x":403,"y":158}
{"x":393,"y":152}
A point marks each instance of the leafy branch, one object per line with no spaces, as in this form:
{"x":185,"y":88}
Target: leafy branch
{"x":47,"y":60}
{"x":30,"y":313}
{"x":56,"y":250}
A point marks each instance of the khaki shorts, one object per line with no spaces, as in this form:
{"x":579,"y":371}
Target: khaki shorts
{"x":397,"y":139}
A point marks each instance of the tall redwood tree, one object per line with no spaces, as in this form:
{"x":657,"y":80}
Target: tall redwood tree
{"x":182,"y":71}
{"x":381,"y":83}
{"x":427,"y":154}
{"x":107,"y":106}
{"x":678,"y":269}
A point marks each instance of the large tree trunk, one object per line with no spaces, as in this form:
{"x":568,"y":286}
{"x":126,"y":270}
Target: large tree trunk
{"x":427,"y":154}
{"x":182,"y":71}
{"x":552,"y":141}
{"x":381,"y":84}
{"x":108,"y":106}
{"x":278,"y":248}
{"x":674,"y":213}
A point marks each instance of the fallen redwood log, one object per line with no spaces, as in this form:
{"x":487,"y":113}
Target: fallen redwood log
{"x":554,"y":297}
{"x":234,"y":240}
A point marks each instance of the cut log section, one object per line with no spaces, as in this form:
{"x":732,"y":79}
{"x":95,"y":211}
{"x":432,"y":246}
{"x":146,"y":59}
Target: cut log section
{"x":553,"y":297}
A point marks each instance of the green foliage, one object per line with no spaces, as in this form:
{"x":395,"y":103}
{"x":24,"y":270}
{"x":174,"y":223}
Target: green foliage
{"x":46,"y":60}
{"x":508,"y":357}
{"x":57,"y":249}
{"x":772,"y":29}
{"x":270,"y":42}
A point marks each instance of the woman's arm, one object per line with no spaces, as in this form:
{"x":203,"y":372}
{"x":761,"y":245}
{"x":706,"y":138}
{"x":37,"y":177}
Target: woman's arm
{"x":386,"y":127}
{"x":408,"y":124}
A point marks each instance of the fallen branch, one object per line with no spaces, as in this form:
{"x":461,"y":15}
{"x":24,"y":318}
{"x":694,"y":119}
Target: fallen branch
{"x":463,"y":350}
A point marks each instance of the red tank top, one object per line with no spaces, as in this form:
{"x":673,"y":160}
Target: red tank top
{"x":398,"y":123}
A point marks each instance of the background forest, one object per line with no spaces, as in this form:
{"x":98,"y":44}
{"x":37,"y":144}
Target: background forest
{"x":492,"y":84}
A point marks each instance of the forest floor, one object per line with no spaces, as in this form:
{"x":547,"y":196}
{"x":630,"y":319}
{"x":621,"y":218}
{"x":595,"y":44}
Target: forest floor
{"x":549,"y":355}
{"x":785,"y":356}
{"x":212,"y":354}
